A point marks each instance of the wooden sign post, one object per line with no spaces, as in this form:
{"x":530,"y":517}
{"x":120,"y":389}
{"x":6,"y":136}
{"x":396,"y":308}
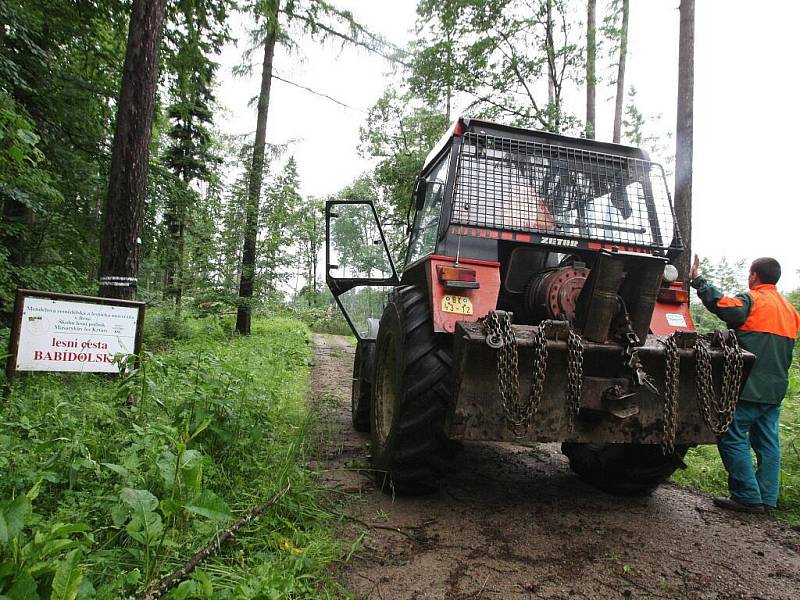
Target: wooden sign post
{"x":68,"y":333}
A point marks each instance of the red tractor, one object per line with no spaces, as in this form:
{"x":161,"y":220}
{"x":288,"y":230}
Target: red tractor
{"x":538,"y":302}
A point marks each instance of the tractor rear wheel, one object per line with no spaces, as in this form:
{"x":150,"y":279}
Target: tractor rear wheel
{"x":623,"y":469}
{"x":361,"y":395}
{"x":410,"y":395}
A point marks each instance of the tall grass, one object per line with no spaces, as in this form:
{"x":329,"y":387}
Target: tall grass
{"x":146,"y":469}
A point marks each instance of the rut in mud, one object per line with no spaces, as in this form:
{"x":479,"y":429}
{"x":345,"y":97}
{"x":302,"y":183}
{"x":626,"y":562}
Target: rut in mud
{"x":515,"y":522}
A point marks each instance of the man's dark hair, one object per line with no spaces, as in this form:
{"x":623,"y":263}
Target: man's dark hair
{"x":767,"y":269}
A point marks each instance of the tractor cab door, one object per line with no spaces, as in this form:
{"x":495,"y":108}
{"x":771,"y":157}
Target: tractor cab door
{"x":358,"y":266}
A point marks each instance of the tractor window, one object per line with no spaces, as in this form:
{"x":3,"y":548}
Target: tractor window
{"x":426,"y":221}
{"x":624,"y":216}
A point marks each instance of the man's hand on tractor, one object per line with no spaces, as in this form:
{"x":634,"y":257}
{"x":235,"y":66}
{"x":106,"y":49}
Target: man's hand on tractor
{"x":695,"y":268}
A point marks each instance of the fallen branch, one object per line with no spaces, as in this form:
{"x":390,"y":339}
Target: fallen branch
{"x":159,"y":588}
{"x":413,"y":538}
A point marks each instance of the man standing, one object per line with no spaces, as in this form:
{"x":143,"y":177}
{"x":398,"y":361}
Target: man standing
{"x":766,"y":324}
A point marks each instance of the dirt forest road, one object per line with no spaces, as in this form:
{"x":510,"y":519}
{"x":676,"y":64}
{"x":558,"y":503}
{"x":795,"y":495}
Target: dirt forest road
{"x":514,"y":522}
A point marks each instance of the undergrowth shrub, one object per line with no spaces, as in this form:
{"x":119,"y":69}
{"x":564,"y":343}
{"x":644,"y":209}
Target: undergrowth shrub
{"x":135,"y":474}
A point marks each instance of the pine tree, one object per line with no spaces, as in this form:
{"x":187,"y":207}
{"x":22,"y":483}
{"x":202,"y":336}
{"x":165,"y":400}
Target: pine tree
{"x":621,"y":62}
{"x":120,"y":250}
{"x":320,"y":20}
{"x":248,"y":273}
{"x":309,"y":232}
{"x":591,"y":61}
{"x":190,"y":155}
{"x":684,"y":132}
{"x":279,"y":212}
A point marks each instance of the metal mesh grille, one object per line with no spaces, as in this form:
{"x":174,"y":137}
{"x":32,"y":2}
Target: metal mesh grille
{"x":516,"y":185}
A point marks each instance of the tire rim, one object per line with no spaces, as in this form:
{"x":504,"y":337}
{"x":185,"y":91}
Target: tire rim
{"x":385,"y":400}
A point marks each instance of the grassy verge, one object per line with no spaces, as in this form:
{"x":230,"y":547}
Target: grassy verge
{"x":108,"y":484}
{"x":707,"y":473}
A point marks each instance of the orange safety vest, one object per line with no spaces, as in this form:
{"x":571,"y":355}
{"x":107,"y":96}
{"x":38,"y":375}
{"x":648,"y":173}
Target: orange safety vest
{"x":771,"y":313}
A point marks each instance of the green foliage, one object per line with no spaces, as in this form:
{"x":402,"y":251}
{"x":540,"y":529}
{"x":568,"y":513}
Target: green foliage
{"x":309,"y":232}
{"x":637,"y":130}
{"x":488,"y":55}
{"x":36,"y":559}
{"x":138,"y":473}
{"x":55,"y":57}
{"x":26,"y":189}
{"x":398,"y":134}
{"x":731,"y":279}
{"x":279,"y":210}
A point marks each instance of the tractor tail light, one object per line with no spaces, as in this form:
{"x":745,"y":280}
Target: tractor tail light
{"x":674,"y":294}
{"x":461,"y":278}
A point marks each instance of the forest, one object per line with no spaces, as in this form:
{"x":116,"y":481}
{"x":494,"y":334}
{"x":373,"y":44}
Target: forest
{"x":212,"y":203}
{"x":116,"y":179}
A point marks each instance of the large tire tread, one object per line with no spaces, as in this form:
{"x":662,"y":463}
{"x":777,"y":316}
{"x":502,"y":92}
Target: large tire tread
{"x":363,"y":363}
{"x":415,"y":452}
{"x":623,"y":469}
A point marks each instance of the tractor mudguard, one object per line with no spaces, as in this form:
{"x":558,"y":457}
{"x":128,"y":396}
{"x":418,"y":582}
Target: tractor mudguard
{"x":468,"y":298}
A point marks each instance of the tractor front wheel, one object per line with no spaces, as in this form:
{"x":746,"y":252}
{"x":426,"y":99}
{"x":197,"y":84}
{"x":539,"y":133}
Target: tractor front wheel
{"x":360,"y":398}
{"x":410,"y":394}
{"x":623,"y":469}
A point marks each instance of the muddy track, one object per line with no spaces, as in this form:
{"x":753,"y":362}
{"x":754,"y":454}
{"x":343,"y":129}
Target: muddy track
{"x":514,"y":522}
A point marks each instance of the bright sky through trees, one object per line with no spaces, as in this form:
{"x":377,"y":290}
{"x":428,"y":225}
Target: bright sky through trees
{"x":745,"y":97}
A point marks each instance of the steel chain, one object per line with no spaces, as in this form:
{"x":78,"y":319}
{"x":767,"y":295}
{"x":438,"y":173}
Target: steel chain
{"x":538,"y":370}
{"x":672,"y":376}
{"x":630,"y":355}
{"x":500,"y":335}
{"x":731,"y":375}
{"x":574,"y":374}
{"x":519,"y":414}
{"x":705,"y":385}
{"x":717,"y":411}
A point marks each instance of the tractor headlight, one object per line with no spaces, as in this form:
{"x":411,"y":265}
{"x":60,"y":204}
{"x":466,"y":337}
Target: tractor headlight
{"x":670,"y":274}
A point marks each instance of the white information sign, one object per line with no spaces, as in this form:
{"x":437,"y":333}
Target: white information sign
{"x":676,"y":320}
{"x":66,"y":335}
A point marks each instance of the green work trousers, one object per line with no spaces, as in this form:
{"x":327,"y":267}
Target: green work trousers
{"x":755,"y":425}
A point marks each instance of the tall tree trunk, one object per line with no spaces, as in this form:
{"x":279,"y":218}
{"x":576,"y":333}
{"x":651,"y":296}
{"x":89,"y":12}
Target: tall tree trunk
{"x":449,"y":91}
{"x":243,"y":312}
{"x":20,"y":219}
{"x":551,"y":67}
{"x":120,"y":248}
{"x":591,"y":53}
{"x":449,"y":100}
{"x":684,"y":132}
{"x":179,"y":271}
{"x":623,"y":55}
{"x":172,"y":223}
{"x":314,"y":251}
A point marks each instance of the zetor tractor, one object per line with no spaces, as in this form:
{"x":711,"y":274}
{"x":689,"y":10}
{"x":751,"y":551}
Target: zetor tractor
{"x":537,"y":304}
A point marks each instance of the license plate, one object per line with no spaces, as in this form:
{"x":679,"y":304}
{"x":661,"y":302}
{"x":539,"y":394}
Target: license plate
{"x":456,"y":304}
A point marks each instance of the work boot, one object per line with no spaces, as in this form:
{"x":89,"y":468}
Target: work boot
{"x":731,"y":504}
